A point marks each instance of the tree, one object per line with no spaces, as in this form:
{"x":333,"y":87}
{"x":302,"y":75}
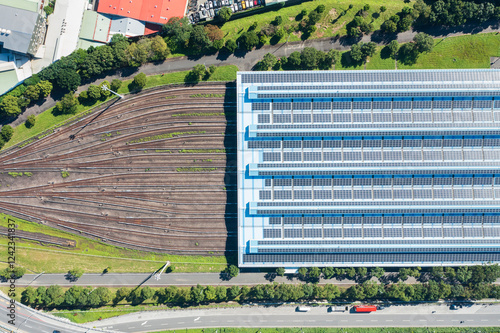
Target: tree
{"x":268,"y":61}
{"x":198,"y":40}
{"x":115,"y":84}
{"x":277,"y":20}
{"x":378,"y":272}
{"x":212,"y":69}
{"x":331,"y":292}
{"x":405,"y":23}
{"x":159,"y":48}
{"x":55,"y":295}
{"x":94,"y":92}
{"x":233,"y":271}
{"x":280,"y":271}
{"x":224,"y":14}
{"x":28,"y":296}
{"x":230,"y":45}
{"x":309,"y":58}
{"x":30,"y":122}
{"x":389,"y":27}
{"x":370,"y":289}
{"x":335,"y":56}
{"x":121,"y":294}
{"x":221,"y":293}
{"x":463,"y":274}
{"x":393,"y":47}
{"x":72,"y":296}
{"x":45,"y":88}
{"x":210,"y":293}
{"x":303,"y":272}
{"x":233,"y":292}
{"x":198,"y":72}
{"x":423,"y":42}
{"x":313,"y":17}
{"x":328,"y":272}
{"x":320,"y":8}
{"x":9,"y":106}
{"x":351,"y":272}
{"x":178,"y":31}
{"x":403,"y":273}
{"x":99,"y":60}
{"x":75,"y":273}
{"x":248,"y":40}
{"x":408,"y":53}
{"x":213,"y":32}
{"x":368,"y":49}
{"x":136,"y":54}
{"x":314,"y":272}
{"x":437,"y":272}
{"x":294,"y":60}
{"x":68,"y":79}
{"x":356,"y":53}
{"x":140,"y":80}
{"x":383,"y":9}
{"x":32,"y":92}
{"x":361,"y":272}
{"x":197,"y":294}
{"x":450,"y":273}
{"x":104,"y":93}
{"x":7,"y":132}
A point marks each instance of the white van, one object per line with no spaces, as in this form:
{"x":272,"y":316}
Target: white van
{"x":302,"y":309}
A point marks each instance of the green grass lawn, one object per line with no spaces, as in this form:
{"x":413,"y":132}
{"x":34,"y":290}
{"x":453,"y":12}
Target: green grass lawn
{"x":330,"y":24}
{"x":47,"y":120}
{"x":468,"y":51}
{"x":94,"y":256}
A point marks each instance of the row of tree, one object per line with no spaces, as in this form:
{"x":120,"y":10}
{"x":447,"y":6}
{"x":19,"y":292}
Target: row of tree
{"x":80,"y":297}
{"x":24,"y":95}
{"x":460,"y":275}
{"x":442,"y":13}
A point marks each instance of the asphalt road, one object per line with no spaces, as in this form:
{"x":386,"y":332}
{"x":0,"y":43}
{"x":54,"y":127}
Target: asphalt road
{"x":31,"y":321}
{"x":178,"y":279}
{"x":286,"y":316}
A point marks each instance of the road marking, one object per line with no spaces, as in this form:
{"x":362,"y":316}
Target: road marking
{"x":144,"y":323}
{"x":160,"y":324}
{"x":230,"y":321}
{"x":197,"y":319}
{"x":405,"y":320}
{"x":343,"y":320}
{"x":180,"y":322}
{"x":484,"y":319}
{"x":439,"y":320}
{"x":279,"y":321}
{"x":297,"y":321}
{"x":358,"y":320}
{"x":329,"y":320}
{"x":422,"y":319}
{"x":389,"y":320}
{"x":373,"y":320}
{"x":28,"y":326}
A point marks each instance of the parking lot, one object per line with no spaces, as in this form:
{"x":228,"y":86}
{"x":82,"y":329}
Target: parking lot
{"x":206,"y":10}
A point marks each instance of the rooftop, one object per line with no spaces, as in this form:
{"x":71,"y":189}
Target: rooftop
{"x":157,"y":11}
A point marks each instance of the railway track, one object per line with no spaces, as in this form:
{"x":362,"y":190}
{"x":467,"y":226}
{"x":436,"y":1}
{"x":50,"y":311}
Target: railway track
{"x":152,"y":172}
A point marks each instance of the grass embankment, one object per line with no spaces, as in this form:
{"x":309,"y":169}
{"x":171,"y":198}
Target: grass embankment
{"x":331,"y":24}
{"x":342,"y":330}
{"x":94,"y":256}
{"x":48,"y":120}
{"x":468,"y":51}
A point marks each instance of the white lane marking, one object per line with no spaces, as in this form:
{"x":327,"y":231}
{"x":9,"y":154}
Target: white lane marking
{"x":329,"y":320}
{"x":484,"y":319}
{"x":389,"y":320}
{"x":373,"y":320}
{"x":439,"y":320}
{"x":144,"y":323}
{"x":405,"y":320}
{"x":230,"y":321}
{"x":180,"y":322}
{"x":197,"y":319}
{"x":164,"y":324}
{"x":28,"y":326}
{"x":279,"y":321}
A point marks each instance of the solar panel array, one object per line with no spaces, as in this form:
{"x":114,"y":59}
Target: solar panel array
{"x":342,"y":168}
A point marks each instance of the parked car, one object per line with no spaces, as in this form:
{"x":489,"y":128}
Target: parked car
{"x":248,"y":3}
{"x":230,"y":2}
{"x":255,"y":2}
{"x":235,"y":7}
{"x":212,"y":13}
{"x":244,"y":5}
{"x":240,"y":5}
{"x":210,"y":5}
{"x":259,"y":2}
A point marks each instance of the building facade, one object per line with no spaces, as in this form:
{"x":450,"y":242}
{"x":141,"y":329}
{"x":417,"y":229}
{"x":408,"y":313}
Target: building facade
{"x":368,"y":168}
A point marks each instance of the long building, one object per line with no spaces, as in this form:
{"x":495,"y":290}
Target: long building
{"x":368,"y":168}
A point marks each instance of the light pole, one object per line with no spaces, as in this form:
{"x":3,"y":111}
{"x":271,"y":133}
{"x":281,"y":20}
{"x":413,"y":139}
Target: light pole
{"x":105,"y":87}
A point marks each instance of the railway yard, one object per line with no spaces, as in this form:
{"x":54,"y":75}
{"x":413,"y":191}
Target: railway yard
{"x":154,"y":171}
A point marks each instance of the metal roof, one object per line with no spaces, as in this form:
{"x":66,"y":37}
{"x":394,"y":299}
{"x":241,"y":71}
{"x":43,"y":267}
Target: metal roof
{"x":21,"y":24}
{"x":356,"y":164}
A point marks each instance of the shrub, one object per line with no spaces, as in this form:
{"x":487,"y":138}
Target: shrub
{"x":30,"y":122}
{"x":116,"y":84}
{"x":320,"y":8}
{"x":277,"y":20}
{"x":140,"y":80}
{"x":383,"y":9}
{"x":7,"y":132}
